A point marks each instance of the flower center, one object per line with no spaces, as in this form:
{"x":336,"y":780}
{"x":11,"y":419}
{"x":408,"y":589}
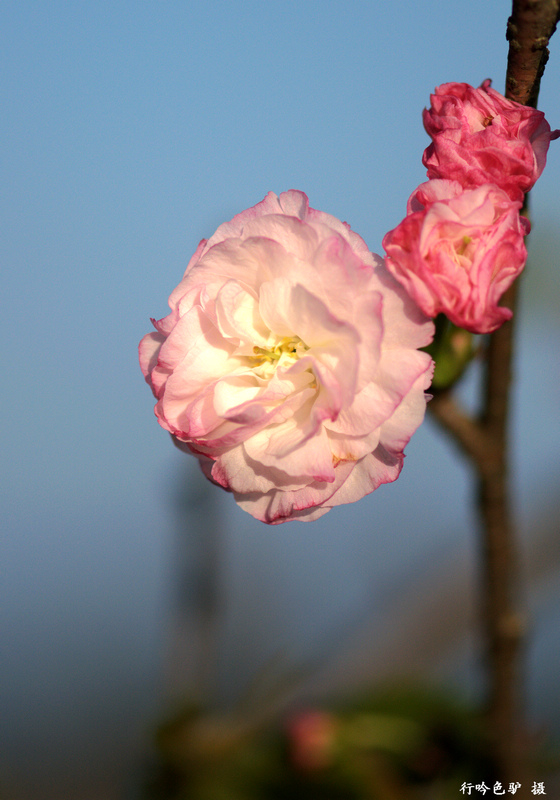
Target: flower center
{"x":463,"y":246}
{"x":266,"y":359}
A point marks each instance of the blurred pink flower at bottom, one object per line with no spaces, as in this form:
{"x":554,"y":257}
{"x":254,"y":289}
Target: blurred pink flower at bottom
{"x":312,"y":738}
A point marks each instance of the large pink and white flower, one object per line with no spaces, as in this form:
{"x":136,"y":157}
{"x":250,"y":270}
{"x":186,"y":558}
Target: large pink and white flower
{"x":289,"y":364}
{"x":456,"y":252}
{"x":481,"y":137}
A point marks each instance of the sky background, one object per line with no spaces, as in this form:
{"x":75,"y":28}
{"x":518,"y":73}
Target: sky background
{"x":131,"y":130}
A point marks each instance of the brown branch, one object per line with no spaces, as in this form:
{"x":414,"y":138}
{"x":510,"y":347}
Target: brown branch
{"x":502,"y":621}
{"x":466,"y":431}
{"x":529,"y":29}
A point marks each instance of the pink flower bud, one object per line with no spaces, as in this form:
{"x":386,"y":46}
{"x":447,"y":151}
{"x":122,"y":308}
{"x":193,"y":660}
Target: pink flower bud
{"x":480,"y":137}
{"x":458,"y":251}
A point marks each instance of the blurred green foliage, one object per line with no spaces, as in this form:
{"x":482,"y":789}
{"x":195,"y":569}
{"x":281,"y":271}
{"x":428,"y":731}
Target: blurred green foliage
{"x":399,"y":744}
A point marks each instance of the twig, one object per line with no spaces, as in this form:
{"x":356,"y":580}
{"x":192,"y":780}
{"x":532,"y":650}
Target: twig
{"x":502,"y":620}
{"x":529,"y":29}
{"x":466,"y":431}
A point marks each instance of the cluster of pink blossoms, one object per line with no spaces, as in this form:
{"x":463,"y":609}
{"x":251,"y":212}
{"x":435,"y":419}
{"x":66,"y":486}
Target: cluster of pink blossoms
{"x":292,"y":363}
{"x":461,"y":244}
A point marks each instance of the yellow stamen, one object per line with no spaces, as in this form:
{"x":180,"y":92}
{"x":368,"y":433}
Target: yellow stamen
{"x":466,"y":241}
{"x":291,"y":345}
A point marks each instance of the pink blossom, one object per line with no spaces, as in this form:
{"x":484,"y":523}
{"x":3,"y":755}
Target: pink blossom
{"x":312,"y":739}
{"x":458,"y":251}
{"x":480,"y":137}
{"x":288,"y":364}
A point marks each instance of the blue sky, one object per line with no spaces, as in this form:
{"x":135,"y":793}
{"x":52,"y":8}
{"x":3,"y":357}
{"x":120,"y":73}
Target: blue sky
{"x":130,"y":130}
